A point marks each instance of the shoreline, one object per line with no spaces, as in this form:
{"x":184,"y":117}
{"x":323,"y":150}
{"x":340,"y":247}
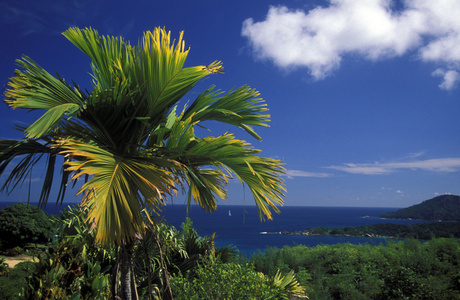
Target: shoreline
{"x":307,"y":232}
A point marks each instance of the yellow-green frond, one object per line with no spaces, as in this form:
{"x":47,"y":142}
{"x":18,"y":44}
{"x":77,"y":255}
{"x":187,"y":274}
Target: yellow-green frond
{"x":112,"y":57}
{"x":215,"y":67}
{"x":241,"y":107}
{"x":161,"y":68}
{"x":34,"y":89}
{"x":206,"y":186}
{"x":262,"y":175}
{"x":118,"y":189}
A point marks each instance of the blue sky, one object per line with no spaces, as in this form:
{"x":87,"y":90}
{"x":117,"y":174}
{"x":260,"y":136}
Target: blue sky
{"x":364,"y":95}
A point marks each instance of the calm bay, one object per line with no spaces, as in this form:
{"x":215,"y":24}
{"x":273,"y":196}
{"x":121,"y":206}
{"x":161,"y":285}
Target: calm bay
{"x":240,"y":225}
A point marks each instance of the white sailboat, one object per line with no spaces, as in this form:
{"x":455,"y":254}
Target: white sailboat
{"x":229,"y":213}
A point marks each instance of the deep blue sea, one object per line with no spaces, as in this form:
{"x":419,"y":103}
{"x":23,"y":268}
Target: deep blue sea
{"x":240,"y":225}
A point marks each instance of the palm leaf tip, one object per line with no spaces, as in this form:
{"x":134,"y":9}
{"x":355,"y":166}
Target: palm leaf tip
{"x":215,"y":68}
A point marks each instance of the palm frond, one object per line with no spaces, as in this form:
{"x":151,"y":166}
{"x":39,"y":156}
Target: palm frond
{"x":135,"y":87}
{"x":160,"y":69}
{"x":289,"y":284}
{"x":119,"y":188}
{"x":241,"y":107}
{"x":126,"y":138}
{"x":111,"y":57}
{"x":29,"y":153}
{"x":205,"y":186}
{"x":37,"y":89}
{"x":260,"y":174}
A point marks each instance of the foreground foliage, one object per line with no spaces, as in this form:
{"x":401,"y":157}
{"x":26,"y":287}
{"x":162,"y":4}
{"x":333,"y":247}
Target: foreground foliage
{"x":216,"y":280}
{"x":13,"y":281}
{"x":398,"y":270}
{"x":75,"y":267}
{"x":78,"y":268}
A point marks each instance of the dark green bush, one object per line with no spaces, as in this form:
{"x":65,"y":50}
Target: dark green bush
{"x":14,"y":281}
{"x":398,"y":270}
{"x":21,"y":224}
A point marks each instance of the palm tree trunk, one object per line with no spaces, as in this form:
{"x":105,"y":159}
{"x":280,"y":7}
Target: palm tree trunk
{"x":115,"y":287}
{"x":127,"y":276}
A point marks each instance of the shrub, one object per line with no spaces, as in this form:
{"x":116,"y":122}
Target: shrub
{"x":22,"y":223}
{"x":216,"y":280}
{"x":223,"y":281}
{"x":13,"y":282}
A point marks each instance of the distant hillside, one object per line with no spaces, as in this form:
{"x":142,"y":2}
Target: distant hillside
{"x":445,"y":208}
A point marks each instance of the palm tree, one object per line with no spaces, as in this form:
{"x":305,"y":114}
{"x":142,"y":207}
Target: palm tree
{"x":129,"y":140}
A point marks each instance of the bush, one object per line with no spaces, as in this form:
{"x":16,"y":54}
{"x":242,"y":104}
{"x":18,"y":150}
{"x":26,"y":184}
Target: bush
{"x":13,"y":252}
{"x":13,"y":282}
{"x":3,"y":267}
{"x":228,"y":281}
{"x":21,"y":224}
{"x":74,"y":267}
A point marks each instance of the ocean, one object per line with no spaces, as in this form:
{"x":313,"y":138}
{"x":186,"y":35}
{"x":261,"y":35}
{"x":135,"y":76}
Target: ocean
{"x":240,"y":225}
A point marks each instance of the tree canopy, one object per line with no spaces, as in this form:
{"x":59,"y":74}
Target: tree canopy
{"x":23,"y":223}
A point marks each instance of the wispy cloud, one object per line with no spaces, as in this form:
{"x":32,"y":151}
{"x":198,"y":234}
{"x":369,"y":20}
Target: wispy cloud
{"x":450,"y":78}
{"x":320,"y":38}
{"x":447,"y":165}
{"x":297,"y":173}
{"x":416,"y":154}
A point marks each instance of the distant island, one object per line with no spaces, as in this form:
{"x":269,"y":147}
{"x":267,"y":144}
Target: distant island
{"x":421,"y":231}
{"x":444,"y":210}
{"x":441,"y":208}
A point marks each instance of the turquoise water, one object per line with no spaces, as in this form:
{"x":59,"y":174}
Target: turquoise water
{"x":240,"y":225}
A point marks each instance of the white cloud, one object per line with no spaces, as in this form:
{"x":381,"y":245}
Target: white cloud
{"x":367,"y":169}
{"x":320,"y":38}
{"x":451,"y":77}
{"x":297,"y":173}
{"x":447,"y":165}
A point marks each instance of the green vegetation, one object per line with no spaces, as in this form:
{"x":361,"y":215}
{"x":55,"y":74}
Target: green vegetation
{"x":398,"y":270}
{"x":14,"y":281}
{"x":445,"y":208}
{"x":21,"y":224}
{"x":76,"y":267}
{"x":218,"y":280}
{"x":421,"y":231}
